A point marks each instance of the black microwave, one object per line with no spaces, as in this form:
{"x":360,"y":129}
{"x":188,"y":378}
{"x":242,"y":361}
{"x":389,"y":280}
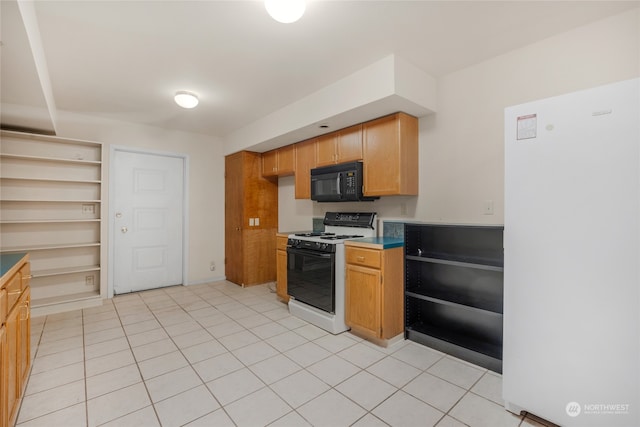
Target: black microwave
{"x":338,"y":183}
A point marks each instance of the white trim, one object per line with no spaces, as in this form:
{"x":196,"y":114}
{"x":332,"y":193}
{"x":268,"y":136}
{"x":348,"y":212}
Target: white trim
{"x":209,"y":280}
{"x":185,"y":209}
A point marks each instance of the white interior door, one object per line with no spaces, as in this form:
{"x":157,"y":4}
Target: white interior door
{"x":147,"y":207}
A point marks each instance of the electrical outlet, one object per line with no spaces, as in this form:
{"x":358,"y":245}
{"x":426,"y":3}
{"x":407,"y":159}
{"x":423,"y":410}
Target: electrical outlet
{"x":88,"y":280}
{"x":251,"y":222}
{"x":257,"y":222}
{"x":403,"y":209}
{"x":212,"y":266}
{"x":88,"y":208}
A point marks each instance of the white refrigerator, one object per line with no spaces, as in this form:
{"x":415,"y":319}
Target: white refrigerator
{"x":571,"y":350}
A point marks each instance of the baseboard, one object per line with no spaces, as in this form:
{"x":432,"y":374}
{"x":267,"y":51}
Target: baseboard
{"x":207,"y":280}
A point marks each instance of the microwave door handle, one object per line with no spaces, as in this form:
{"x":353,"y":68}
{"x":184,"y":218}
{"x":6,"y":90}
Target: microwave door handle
{"x":339,"y":184}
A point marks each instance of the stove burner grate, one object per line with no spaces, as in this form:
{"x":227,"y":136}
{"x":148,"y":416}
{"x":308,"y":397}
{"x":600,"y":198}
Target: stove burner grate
{"x":341,"y":237}
{"x":314,"y":234}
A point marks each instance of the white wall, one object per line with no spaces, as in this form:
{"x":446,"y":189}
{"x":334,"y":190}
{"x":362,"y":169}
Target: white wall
{"x":206,"y":179}
{"x":461,"y":146}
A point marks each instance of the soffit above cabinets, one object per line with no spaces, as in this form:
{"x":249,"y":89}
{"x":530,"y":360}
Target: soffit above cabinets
{"x":387,"y":86}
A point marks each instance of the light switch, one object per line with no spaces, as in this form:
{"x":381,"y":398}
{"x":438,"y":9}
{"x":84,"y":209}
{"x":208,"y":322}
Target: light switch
{"x":257,"y":222}
{"x":251,"y":222}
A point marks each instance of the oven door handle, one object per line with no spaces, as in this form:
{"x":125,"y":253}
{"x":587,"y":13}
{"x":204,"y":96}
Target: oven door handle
{"x":311,"y":253}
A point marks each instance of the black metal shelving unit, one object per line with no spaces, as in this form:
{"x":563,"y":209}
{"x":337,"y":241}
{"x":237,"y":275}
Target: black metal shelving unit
{"x":454,"y":290}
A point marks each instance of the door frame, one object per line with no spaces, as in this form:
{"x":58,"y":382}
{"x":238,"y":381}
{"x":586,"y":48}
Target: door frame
{"x":111,"y":211}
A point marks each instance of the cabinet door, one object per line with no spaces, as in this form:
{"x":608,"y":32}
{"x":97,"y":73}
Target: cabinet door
{"x":286,"y":160}
{"x":281,"y":283}
{"x":24,"y":338}
{"x":270,"y":163}
{"x":11,"y":365}
{"x":305,"y":161}
{"x":363,"y":300}
{"x":349,"y":144}
{"x":390,"y":156}
{"x":4,"y":411}
{"x":234,"y":216}
{"x":326,"y":150}
{"x":3,"y":306}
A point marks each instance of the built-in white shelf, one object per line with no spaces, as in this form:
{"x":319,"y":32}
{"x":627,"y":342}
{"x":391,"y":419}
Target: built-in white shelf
{"x":49,"y":159}
{"x":51,"y":207}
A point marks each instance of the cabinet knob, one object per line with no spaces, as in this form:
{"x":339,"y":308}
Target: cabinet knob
{"x":124,"y":230}
{"x":360,"y":258}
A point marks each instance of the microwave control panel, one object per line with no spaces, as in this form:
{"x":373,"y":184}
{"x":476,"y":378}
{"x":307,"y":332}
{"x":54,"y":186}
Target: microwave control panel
{"x":350,"y":184}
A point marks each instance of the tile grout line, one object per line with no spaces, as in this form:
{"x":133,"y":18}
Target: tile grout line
{"x":184,"y":309}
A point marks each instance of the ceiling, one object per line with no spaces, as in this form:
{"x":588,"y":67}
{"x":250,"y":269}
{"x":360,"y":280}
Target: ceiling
{"x":125,"y":59}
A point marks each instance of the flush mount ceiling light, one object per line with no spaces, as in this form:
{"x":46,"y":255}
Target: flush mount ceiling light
{"x":285,"y":11}
{"x":186,"y":99}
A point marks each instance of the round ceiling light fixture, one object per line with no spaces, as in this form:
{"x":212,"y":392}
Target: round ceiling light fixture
{"x":186,"y":99}
{"x":285,"y":11}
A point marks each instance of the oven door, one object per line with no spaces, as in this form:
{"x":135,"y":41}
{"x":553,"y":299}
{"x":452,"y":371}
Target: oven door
{"x":311,"y":278}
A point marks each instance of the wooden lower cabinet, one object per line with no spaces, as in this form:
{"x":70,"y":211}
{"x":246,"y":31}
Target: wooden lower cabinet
{"x":24,"y":337}
{"x":4,"y":410}
{"x":374,"y":292}
{"x":15,"y":344}
{"x":281,"y":267}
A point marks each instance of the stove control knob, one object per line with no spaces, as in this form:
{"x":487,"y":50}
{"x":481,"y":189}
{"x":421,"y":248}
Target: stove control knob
{"x":325,"y":246}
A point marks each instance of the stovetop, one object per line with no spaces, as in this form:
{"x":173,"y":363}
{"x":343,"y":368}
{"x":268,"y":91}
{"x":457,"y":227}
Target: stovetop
{"x":328,"y":236}
{"x":314,"y":234}
{"x":342,"y":237}
{"x":339,"y":227}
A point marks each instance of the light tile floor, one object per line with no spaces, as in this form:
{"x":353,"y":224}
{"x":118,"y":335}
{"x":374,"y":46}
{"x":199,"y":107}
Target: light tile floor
{"x":222,"y":355}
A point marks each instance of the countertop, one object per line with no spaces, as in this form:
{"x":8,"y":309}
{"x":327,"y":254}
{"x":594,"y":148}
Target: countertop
{"x":377,"y":242}
{"x":8,"y":261}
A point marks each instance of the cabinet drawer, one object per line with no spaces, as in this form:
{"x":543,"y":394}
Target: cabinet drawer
{"x":14,"y":289}
{"x":281,"y":243}
{"x":362,"y":256}
{"x":3,"y":306}
{"x":25,"y":272}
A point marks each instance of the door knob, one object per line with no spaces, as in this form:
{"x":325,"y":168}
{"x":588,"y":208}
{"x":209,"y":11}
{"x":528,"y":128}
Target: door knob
{"x":124,"y":229}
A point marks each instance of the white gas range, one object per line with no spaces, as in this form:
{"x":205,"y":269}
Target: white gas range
{"x":316,"y":268}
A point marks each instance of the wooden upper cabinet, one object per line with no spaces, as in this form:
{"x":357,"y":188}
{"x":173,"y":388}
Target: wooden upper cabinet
{"x":349,"y":144}
{"x":305,"y":159}
{"x":286,"y":160}
{"x":279,"y":162}
{"x":390,"y":156}
{"x":270,"y":163}
{"x":326,"y":150}
{"x":342,"y":146}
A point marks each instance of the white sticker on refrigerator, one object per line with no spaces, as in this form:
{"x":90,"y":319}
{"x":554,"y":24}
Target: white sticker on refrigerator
{"x":527,"y":126}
